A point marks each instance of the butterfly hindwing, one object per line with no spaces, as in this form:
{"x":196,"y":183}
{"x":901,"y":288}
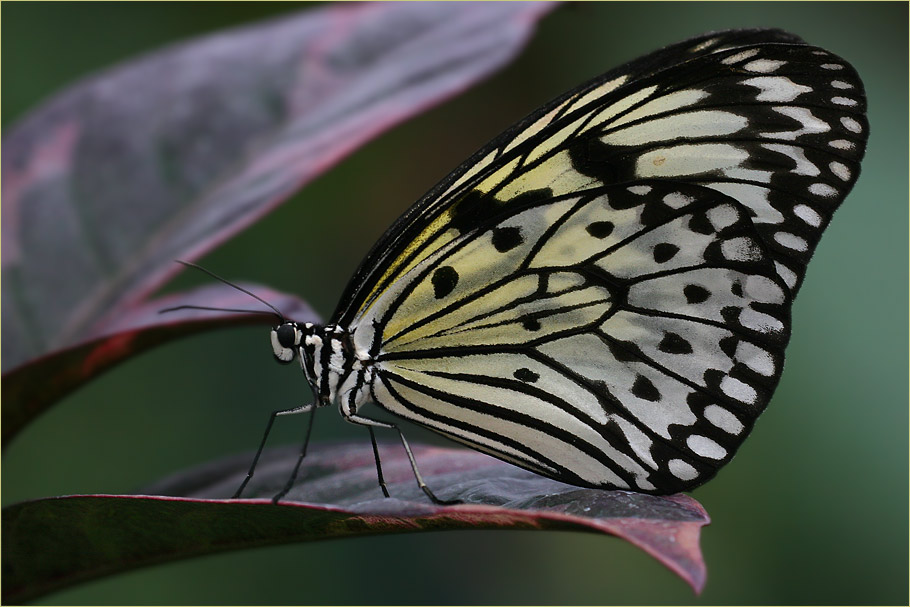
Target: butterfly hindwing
{"x":632,"y":355}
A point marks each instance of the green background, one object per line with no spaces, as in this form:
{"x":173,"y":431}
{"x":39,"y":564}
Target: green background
{"x":813,"y":509}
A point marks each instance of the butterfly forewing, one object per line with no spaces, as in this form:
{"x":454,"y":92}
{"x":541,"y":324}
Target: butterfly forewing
{"x":602,"y":294}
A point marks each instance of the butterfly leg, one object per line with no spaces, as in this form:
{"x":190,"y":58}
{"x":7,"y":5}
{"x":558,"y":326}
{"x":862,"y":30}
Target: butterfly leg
{"x":370,"y":423}
{"x":265,"y":436}
{"x":306,"y":442}
{"x":385,"y":490}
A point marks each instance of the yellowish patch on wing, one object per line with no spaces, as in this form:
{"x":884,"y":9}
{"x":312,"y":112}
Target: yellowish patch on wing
{"x":689,"y":159}
{"x":415,"y":309}
{"x":501,"y":175}
{"x":559,"y":312}
{"x":554,"y":140}
{"x":597,"y":92}
{"x":396,"y":266}
{"x":470,"y":173}
{"x":538,"y":125}
{"x":662,"y":104}
{"x":698,"y":124}
{"x":620,"y":106}
{"x":556,"y":173}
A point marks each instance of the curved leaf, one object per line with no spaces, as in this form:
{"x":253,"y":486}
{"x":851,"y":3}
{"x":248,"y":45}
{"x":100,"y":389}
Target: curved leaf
{"x":27,"y":391}
{"x":167,"y":156}
{"x":97,"y":535}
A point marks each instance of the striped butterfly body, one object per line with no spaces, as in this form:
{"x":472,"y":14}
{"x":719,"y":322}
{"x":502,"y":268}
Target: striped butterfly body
{"x":602,"y":294}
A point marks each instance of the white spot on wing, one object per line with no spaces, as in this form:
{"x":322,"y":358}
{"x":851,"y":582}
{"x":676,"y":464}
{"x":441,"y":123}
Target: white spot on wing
{"x":682,"y":470}
{"x":705,"y":447}
{"x":841,"y":144}
{"x":840,"y":170}
{"x":809,"y":123}
{"x":776,"y":88}
{"x":759,"y":321}
{"x":764,"y":66}
{"x":755,"y":358}
{"x":844,"y":101}
{"x":822,"y":189}
{"x":741,"y":56}
{"x":786,"y":273}
{"x":832,"y":66}
{"x":675,"y":200}
{"x":840,"y":84}
{"x":851,"y":125}
{"x":807,"y":214}
{"x":640,"y":190}
{"x":791,"y":241}
{"x":722,"y":216}
{"x":738,"y":390}
{"x":723,"y":419}
{"x":741,"y":248}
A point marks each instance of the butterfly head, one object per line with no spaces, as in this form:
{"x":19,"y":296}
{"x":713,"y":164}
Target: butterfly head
{"x":286,"y":340}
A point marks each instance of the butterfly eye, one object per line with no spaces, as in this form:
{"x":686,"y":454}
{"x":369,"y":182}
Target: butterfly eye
{"x":287,"y":335}
{"x":284,"y":340}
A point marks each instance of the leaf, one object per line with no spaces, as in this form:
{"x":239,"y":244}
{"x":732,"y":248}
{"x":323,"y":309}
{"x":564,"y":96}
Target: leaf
{"x":27,"y":391}
{"x":50,"y":544}
{"x":167,"y":156}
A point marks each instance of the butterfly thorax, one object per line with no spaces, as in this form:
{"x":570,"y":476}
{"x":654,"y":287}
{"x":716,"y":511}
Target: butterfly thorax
{"x":336,"y":372}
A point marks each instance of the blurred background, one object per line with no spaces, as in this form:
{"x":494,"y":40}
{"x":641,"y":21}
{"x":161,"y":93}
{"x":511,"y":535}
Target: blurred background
{"x":812,"y":510}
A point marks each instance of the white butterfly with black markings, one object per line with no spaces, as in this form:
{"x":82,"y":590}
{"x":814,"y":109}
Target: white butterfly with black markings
{"x":602,"y":294}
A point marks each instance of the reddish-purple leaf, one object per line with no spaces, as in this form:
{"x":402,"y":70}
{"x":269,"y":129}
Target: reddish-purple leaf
{"x":336,"y":496}
{"x":167,"y":156}
{"x":27,"y":391}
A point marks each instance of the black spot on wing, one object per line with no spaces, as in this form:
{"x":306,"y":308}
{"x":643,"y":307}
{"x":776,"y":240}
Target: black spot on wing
{"x":526,"y":375}
{"x":664,"y":252}
{"x":699,"y":400}
{"x":600,"y":229}
{"x":444,"y":281}
{"x":644,"y":389}
{"x":696,"y":294}
{"x":531,"y":324}
{"x":472,"y":210}
{"x":728,"y":345}
{"x":625,"y":351}
{"x":673,"y":343}
{"x":506,"y":239}
{"x":608,"y":164}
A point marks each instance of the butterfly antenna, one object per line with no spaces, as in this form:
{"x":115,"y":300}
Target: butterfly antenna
{"x":188,"y":264}
{"x":213,"y":309}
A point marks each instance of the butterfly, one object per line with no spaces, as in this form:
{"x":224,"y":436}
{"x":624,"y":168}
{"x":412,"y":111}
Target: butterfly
{"x":602,"y":294}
